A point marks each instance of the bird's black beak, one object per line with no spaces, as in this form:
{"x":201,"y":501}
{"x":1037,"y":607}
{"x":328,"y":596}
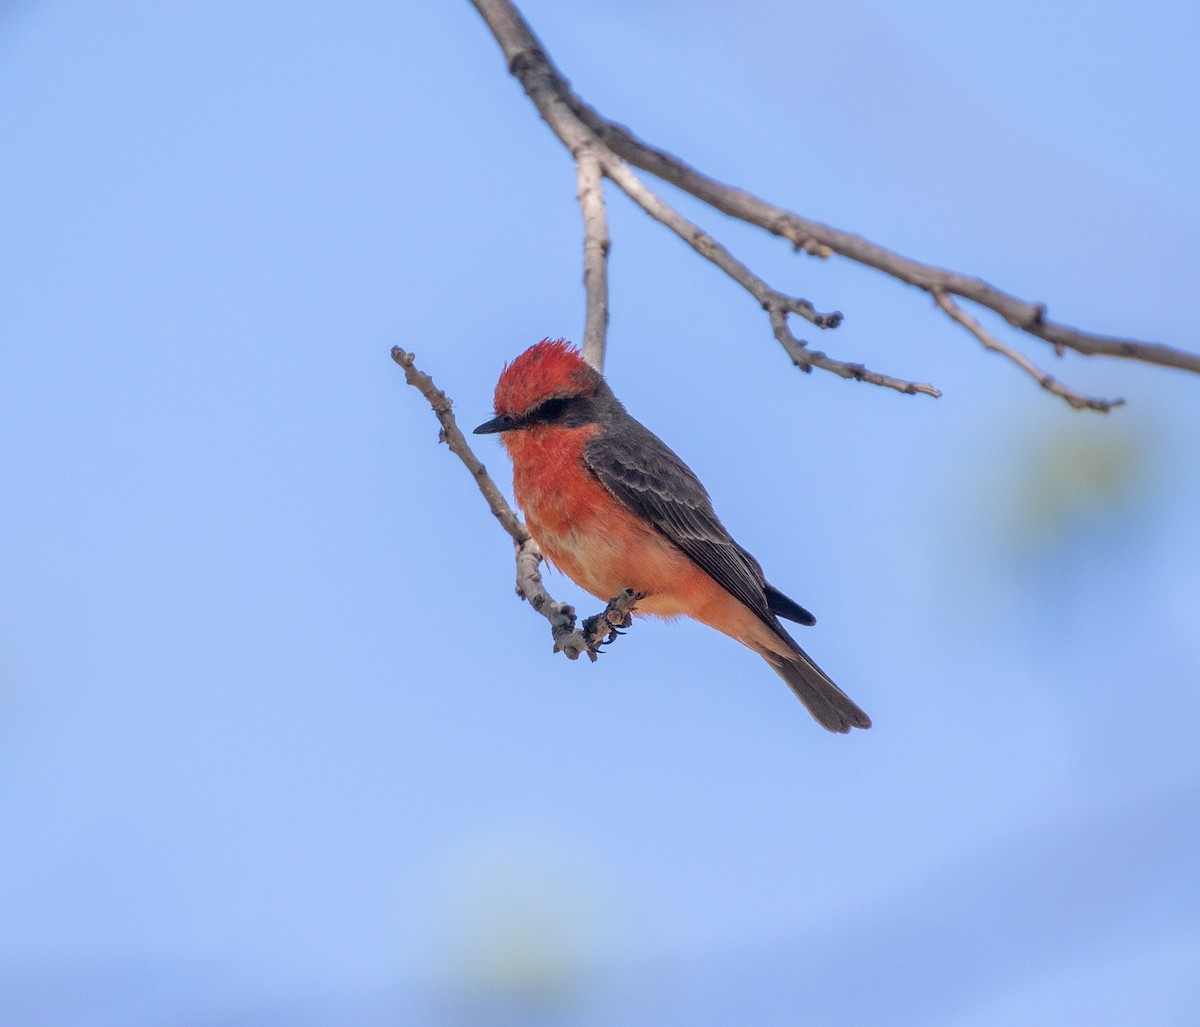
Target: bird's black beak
{"x":497,"y":424}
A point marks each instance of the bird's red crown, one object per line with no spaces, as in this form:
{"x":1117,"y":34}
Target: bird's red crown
{"x":548,"y":369}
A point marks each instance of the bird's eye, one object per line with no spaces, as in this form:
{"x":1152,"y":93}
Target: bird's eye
{"x":551,"y":410}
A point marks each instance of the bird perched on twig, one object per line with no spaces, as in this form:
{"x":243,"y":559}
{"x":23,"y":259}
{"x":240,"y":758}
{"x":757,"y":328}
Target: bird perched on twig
{"x":613,"y":508}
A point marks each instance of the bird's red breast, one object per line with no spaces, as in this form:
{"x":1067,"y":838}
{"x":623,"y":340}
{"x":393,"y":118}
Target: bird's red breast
{"x":604,"y":546}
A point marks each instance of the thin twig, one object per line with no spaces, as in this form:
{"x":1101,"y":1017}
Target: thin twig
{"x":707,"y":246}
{"x":580,"y":126}
{"x":454,"y":438}
{"x":1046,"y":381}
{"x":568,"y":638}
{"x":806,"y":359}
{"x":595,"y":257}
{"x":777,"y":305}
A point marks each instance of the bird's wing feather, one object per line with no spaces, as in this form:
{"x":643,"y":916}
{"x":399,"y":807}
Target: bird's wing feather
{"x":662,"y":488}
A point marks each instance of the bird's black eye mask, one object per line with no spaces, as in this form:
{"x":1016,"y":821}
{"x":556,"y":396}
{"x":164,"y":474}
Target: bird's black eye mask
{"x":550,"y":411}
{"x":565,"y":411}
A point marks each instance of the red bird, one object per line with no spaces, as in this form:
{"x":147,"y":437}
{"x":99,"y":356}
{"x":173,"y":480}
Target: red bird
{"x":611,"y":506}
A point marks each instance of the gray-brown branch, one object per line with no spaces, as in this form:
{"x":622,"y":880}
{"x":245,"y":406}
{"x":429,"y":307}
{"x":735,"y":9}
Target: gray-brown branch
{"x":584,"y":131}
{"x":568,"y":638}
{"x":545,"y":88}
{"x":1045,"y":380}
{"x":595,"y":257}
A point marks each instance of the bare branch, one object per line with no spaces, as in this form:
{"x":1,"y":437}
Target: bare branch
{"x":822,"y":240}
{"x":1046,"y":381}
{"x":709,"y":248}
{"x":580,"y":127}
{"x":454,"y":438}
{"x":806,"y":359}
{"x":777,"y":305}
{"x":595,"y":257}
{"x":545,"y":88}
{"x":567,"y":638}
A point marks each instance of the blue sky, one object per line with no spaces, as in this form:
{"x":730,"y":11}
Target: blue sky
{"x":278,"y":744}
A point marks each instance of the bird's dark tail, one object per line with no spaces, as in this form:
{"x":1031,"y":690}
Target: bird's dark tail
{"x":832,"y":708}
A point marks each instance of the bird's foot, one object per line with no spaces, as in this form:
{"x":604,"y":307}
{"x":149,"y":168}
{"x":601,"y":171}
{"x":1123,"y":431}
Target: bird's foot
{"x":605,"y":626}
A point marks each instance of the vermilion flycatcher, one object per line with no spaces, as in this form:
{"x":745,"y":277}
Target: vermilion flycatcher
{"x":611,"y":506}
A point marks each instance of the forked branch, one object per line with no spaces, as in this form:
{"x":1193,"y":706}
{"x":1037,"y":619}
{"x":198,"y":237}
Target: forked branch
{"x":597,"y":142}
{"x":1046,"y":381}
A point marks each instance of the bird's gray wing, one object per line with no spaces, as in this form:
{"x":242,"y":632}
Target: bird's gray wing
{"x":642,"y":472}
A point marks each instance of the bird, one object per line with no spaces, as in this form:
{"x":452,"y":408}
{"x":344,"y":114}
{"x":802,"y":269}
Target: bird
{"x":613,"y":507}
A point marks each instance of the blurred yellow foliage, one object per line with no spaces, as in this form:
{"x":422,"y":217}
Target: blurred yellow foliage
{"x":1074,"y":479}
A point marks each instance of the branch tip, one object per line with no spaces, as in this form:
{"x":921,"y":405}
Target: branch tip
{"x":1076,"y":400}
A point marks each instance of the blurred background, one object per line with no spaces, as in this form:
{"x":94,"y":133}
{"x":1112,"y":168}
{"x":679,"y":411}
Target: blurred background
{"x":278,"y":743}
